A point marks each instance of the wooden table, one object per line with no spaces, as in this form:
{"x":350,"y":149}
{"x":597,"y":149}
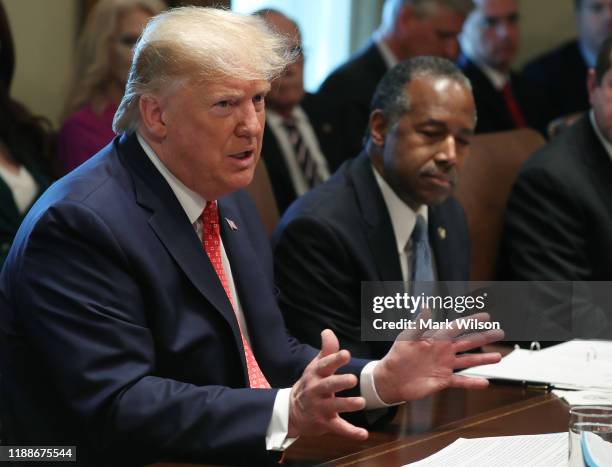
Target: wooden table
{"x":424,"y":427}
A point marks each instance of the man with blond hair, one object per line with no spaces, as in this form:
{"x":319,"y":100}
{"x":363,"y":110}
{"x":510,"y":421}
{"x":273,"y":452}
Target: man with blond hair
{"x":138,"y":318}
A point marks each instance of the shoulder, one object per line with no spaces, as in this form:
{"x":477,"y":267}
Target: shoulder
{"x":554,"y":60}
{"x":332,"y":204}
{"x":363,"y":67}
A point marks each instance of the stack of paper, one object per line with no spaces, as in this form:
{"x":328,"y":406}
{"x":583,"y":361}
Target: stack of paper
{"x":585,"y":397}
{"x":548,"y":450}
{"x":577,"y":364}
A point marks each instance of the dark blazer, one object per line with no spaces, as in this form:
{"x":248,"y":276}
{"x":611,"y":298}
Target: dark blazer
{"x":343,"y":103}
{"x":491,"y":108}
{"x":558,"y":223}
{"x":340,"y":234}
{"x":117,"y":335}
{"x":558,"y":227}
{"x":282,"y":185}
{"x":560,"y":79}
{"x":10,"y":217}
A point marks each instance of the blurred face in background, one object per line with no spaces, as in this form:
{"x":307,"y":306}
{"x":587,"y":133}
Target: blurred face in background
{"x":600,"y":96}
{"x":287,"y":91}
{"x":594,"y":22}
{"x":434,"y":34}
{"x":130,"y":25}
{"x":491,"y":32}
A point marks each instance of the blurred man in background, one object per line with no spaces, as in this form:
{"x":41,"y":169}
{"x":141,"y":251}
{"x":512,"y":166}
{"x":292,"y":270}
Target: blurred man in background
{"x":560,"y":76}
{"x":290,"y":149}
{"x":489,"y":44}
{"x":409,"y":28}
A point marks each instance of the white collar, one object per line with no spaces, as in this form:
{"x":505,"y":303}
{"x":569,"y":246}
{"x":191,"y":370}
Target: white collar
{"x":496,"y":77}
{"x":604,"y":141}
{"x":297,"y":113}
{"x":388,"y":56}
{"x":191,"y":202}
{"x":403,"y":218}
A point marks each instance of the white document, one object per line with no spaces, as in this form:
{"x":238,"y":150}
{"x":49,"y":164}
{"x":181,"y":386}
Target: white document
{"x":585,"y":397}
{"x":577,"y":364}
{"x":549,"y":450}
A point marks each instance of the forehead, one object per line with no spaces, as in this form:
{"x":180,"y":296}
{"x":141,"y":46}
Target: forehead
{"x":283,"y":25}
{"x":497,"y":8}
{"x":439,"y":98}
{"x":447,"y":18}
{"x":133,"y":19}
{"x":231,"y":87}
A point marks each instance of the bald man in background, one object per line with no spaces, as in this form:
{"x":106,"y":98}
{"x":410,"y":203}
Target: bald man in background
{"x":290,"y":149}
{"x":409,"y":28}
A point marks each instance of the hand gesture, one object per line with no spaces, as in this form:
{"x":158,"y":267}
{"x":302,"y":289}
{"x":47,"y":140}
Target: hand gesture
{"x":420,"y":363}
{"x":313,"y":406}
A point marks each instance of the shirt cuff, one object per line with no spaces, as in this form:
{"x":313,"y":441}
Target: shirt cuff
{"x":368,"y":388}
{"x":276,"y":436}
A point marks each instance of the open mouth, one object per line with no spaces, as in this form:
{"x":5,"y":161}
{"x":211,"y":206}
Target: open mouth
{"x":243,"y":155}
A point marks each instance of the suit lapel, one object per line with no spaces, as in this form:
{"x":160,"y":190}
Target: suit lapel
{"x":597,"y":161}
{"x":171,"y":225}
{"x":378,"y":228}
{"x":246,"y":270}
{"x":437,"y":230}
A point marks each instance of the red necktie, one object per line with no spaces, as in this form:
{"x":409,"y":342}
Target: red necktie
{"x":212,"y":245}
{"x":513,"y":107}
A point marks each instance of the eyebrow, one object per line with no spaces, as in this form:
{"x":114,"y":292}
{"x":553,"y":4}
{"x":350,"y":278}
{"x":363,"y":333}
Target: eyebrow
{"x":440,"y":124}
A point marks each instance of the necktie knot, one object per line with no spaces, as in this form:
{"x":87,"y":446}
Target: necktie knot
{"x":420,"y":230}
{"x":210,"y":217}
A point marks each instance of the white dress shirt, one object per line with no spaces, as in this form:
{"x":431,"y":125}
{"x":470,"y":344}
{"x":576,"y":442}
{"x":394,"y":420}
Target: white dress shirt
{"x":22,"y":185}
{"x":193,"y":205}
{"x":387,"y":55}
{"x":403,"y":220}
{"x":302,"y":123}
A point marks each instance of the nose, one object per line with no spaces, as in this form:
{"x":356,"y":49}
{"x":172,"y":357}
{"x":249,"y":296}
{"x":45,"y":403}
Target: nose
{"x":249,"y":124}
{"x":447,"y":155}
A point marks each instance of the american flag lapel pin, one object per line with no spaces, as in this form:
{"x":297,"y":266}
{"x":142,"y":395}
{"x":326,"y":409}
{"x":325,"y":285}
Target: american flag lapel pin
{"x":231,"y":223}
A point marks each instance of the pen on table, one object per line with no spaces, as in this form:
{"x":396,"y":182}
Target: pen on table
{"x":539,"y":385}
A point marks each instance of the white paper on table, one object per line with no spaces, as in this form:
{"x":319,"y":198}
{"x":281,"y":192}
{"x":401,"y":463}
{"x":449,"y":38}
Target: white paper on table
{"x":549,"y":450}
{"x":577,"y":364}
{"x":584,"y":397}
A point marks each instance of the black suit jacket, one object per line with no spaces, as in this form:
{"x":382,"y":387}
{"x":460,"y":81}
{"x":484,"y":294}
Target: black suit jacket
{"x":560,"y":79}
{"x":343,"y":104}
{"x":282,"y":185}
{"x":10,"y":217}
{"x":558,"y":223}
{"x":491,"y":108}
{"x":337,"y":236}
{"x":558,"y":227}
{"x":116,"y":334}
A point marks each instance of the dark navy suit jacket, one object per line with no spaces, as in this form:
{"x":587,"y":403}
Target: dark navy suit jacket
{"x":341,"y":107}
{"x":491,"y":109}
{"x":117,"y":335}
{"x":340,"y":234}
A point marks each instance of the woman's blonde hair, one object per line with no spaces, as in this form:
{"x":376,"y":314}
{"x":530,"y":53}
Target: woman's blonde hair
{"x":203,"y":45}
{"x":92,"y":67}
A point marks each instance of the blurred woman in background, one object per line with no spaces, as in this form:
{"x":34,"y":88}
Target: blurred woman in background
{"x":102,"y":62}
{"x":25,"y":149}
